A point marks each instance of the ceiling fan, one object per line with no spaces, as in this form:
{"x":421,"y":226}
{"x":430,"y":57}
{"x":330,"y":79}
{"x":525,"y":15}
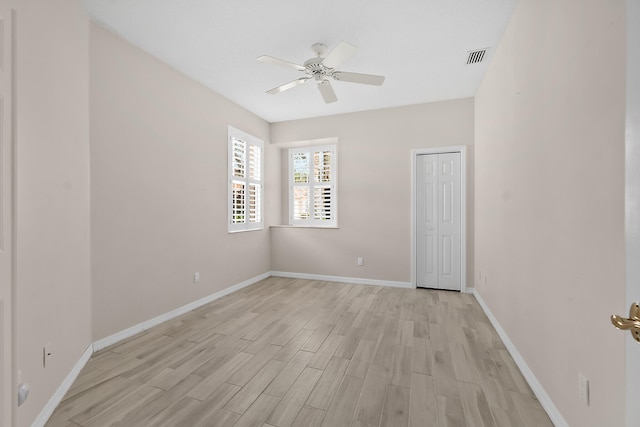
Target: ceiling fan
{"x":321,"y":69}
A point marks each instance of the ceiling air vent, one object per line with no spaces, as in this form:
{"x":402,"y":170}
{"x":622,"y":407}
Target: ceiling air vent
{"x":476,"y":56}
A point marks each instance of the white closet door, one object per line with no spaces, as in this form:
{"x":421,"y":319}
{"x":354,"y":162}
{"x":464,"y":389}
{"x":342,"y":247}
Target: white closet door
{"x":449,"y":221}
{"x":427,"y":217}
{"x":438,"y":221}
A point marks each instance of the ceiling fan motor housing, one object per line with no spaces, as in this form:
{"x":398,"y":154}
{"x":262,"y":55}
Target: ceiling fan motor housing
{"x":316,"y":69}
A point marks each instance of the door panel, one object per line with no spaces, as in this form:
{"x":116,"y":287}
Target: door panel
{"x":431,"y":248}
{"x":446,"y":193}
{"x":446,"y":255}
{"x":429,"y":204}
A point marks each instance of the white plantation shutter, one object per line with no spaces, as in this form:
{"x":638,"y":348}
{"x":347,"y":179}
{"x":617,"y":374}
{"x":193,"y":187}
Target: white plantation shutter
{"x":245,"y":181}
{"x":239,"y":154}
{"x":255,"y":159}
{"x":255,"y":214}
{"x":322,"y":202}
{"x":301,"y":206}
{"x":312,"y":186}
{"x":238,"y":203}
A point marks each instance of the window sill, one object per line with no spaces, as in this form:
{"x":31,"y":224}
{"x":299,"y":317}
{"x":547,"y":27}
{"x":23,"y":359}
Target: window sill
{"x":245,"y":230}
{"x":305,"y":226}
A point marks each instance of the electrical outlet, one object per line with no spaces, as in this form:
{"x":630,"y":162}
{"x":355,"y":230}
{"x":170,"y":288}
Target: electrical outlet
{"x":47,"y":355}
{"x":583,"y":389}
{"x":196,"y":277}
{"x":360,"y":261}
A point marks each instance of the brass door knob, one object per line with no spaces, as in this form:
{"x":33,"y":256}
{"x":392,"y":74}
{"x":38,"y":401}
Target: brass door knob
{"x":632,"y":324}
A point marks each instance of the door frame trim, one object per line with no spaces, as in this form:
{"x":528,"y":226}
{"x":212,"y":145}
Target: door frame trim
{"x":463,"y":207}
{"x":632,"y":212}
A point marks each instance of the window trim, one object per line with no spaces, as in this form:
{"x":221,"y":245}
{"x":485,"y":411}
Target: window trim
{"x":311,"y":222}
{"x":250,"y":140}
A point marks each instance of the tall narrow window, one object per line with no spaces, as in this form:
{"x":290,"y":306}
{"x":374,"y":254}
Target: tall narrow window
{"x":245,"y":181}
{"x":312,"y":186}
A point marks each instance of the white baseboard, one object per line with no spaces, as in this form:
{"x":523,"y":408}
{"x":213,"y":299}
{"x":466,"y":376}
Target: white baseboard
{"x":148,"y":324}
{"x":338,"y":279}
{"x":57,"y":397}
{"x":100,"y":344}
{"x":546,"y":402}
{"x":64,"y":387}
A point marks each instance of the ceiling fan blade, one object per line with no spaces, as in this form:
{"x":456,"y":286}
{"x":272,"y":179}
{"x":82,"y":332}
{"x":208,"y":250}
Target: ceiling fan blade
{"x":327,"y":92}
{"x":367,"y":79}
{"x":271,"y":60}
{"x":339,"y":55}
{"x":289,"y":85}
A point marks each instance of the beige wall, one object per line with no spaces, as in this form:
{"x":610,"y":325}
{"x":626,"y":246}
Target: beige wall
{"x":158,"y":188}
{"x":549,"y":155}
{"x":374,"y":183}
{"x":550,"y":198}
{"x":53,"y":263}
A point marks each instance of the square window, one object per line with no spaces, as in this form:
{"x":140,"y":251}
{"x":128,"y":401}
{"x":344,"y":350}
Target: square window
{"x":312,"y":186}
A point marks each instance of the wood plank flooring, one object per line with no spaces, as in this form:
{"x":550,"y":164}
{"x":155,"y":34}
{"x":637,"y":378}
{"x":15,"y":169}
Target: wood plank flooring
{"x":288,"y":352}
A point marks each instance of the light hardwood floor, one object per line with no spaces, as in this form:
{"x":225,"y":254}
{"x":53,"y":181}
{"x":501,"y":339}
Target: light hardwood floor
{"x":288,"y":352}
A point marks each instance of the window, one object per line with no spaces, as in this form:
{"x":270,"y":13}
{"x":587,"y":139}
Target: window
{"x":312,"y":186}
{"x":245,"y":181}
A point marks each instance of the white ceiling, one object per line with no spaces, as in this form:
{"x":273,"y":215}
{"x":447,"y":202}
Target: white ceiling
{"x":419,"y":45}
